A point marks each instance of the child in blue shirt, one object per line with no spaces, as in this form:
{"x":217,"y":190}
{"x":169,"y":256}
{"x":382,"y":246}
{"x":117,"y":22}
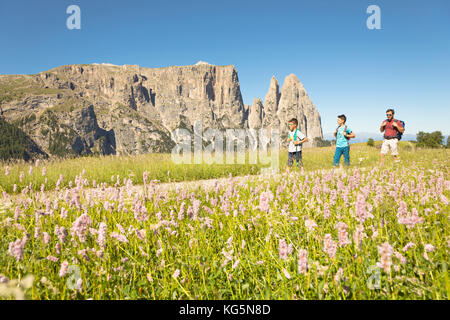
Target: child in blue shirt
{"x":342,"y":134}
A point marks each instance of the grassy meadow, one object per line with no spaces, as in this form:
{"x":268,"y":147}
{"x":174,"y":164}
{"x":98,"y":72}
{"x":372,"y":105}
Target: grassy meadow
{"x":160,"y":167}
{"x":362,"y":232}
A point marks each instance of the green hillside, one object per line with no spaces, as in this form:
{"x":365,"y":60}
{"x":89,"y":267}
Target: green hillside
{"x":15,"y":144}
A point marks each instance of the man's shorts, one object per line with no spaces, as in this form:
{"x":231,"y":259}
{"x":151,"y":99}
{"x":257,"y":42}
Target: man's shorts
{"x":391,"y":144}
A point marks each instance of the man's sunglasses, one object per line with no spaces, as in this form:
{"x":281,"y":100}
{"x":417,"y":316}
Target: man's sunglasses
{"x":389,"y":114}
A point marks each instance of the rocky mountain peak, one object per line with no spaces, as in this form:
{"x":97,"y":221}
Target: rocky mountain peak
{"x":291,"y":102}
{"x":255,"y":114}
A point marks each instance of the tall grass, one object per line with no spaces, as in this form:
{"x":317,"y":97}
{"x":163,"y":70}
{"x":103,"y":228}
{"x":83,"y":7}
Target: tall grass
{"x":161,"y":167}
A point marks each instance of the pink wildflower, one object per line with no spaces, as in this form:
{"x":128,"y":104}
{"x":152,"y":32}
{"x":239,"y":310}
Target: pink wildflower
{"x":195,"y":209}
{"x":302,"y":261}
{"x":338,"y":275}
{"x":358,"y":236}
{"x":385,"y":251}
{"x":374,"y":233}
{"x":63,"y":213}
{"x":264,"y":202}
{"x":80,"y":227}
{"x":333,"y":197}
{"x":46,"y":237}
{"x":379,"y":195}
{"x":58,"y":248}
{"x":176,"y":274}
{"x":342,"y":234}
{"x":145,"y":177}
{"x":119,"y":237}
{"x":310,"y":224}
{"x":399,"y":256}
{"x":284,"y":249}
{"x":330,"y":246}
{"x":326,"y":211}
{"x":52,"y":258}
{"x":121,"y":229}
{"x":16,"y":213}
{"x":408,"y":246}
{"x":61,"y":233}
{"x":181,"y":212}
{"x":228,"y":257}
{"x":230,"y":242}
{"x":361,"y":209}
{"x":93,"y":231}
{"x":143,"y":252}
{"x":140,"y":234}
{"x":63,"y":270}
{"x":101,"y":240}
{"x":16,"y":248}
{"x":408,"y":219}
{"x":286,"y":274}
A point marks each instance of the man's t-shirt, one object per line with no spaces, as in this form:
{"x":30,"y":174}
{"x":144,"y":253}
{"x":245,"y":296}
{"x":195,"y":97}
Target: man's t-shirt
{"x":292,"y":146}
{"x":341,"y":141}
{"x":389,"y":129}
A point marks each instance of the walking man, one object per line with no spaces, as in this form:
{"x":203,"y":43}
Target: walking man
{"x":391,"y":128}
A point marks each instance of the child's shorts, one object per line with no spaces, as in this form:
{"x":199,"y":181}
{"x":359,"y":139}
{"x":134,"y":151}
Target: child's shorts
{"x":298,"y":157}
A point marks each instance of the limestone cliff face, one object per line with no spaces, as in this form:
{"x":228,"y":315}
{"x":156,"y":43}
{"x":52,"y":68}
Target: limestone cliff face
{"x":108,"y":109}
{"x":203,"y":92}
{"x":88,"y":134}
{"x":138,"y":107}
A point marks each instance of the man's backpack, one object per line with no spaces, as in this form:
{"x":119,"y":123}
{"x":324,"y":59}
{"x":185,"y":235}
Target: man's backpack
{"x":399,"y":134}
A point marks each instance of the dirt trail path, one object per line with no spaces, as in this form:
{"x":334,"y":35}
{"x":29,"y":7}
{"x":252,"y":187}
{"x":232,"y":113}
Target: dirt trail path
{"x":204,"y":184}
{"x":208,"y":184}
{"x":211,"y":183}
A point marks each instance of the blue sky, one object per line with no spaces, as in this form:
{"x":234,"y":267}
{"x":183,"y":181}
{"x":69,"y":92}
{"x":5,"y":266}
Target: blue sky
{"x":344,"y":66}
